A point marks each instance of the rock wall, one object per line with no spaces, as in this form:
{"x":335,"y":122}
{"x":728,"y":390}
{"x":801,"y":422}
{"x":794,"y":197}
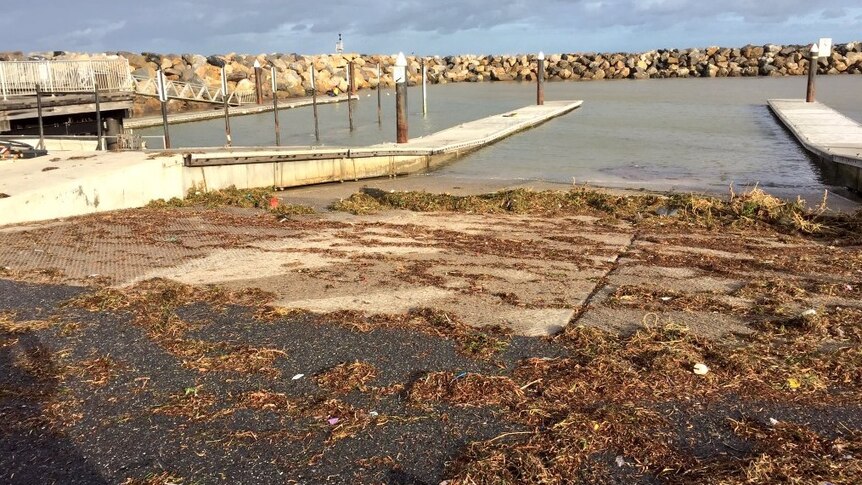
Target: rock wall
{"x":294,"y":78}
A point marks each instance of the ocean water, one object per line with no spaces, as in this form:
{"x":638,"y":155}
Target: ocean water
{"x":662,"y":134}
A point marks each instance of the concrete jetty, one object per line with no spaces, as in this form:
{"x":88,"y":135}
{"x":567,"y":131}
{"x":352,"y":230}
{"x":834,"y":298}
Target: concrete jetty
{"x":218,"y":112}
{"x":827,"y":134}
{"x":76,"y":183}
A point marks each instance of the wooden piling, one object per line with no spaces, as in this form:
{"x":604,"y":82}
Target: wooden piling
{"x":275,"y":106}
{"x":258,"y":82}
{"x":98,"y":117}
{"x":400,"y":76}
{"x":379,"y":96}
{"x":540,"y":80}
{"x":351,"y":91}
{"x":314,"y":102}
{"x":812,"y":73}
{"x":39,"y":115}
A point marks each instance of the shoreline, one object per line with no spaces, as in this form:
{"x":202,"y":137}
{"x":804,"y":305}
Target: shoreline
{"x":321,"y":196}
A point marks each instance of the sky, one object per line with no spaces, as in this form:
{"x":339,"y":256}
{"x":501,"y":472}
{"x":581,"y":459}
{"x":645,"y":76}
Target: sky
{"x":430,"y":27}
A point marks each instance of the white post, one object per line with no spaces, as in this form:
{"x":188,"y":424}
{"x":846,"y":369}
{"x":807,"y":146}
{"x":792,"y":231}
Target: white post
{"x":424,"y":88}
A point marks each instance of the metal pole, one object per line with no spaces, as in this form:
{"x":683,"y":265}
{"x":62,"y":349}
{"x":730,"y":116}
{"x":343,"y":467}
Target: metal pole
{"x":163,"y":100}
{"x":39,"y":114}
{"x":275,"y":107}
{"x":165,"y":124}
{"x":540,"y":80}
{"x":424,"y":88}
{"x":98,"y":117}
{"x":258,"y":84}
{"x":379,"y":97}
{"x":812,"y":72}
{"x":400,"y":76}
{"x":314,"y":102}
{"x":226,"y":107}
{"x":351,"y":90}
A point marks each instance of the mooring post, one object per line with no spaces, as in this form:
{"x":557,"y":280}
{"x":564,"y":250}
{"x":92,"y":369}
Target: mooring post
{"x":400,"y":77}
{"x":379,"y":97}
{"x":814,"y":54}
{"x":163,"y":99}
{"x":98,"y":117}
{"x":351,"y":91}
{"x":424,"y":70}
{"x":226,"y":106}
{"x":314,"y":101}
{"x":540,"y":79}
{"x":258,"y":81}
{"x":39,"y":115}
{"x":275,"y":106}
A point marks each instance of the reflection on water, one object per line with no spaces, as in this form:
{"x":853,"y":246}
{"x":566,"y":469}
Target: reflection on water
{"x":668,"y":134}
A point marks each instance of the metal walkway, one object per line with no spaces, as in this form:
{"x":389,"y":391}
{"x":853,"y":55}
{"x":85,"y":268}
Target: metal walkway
{"x":147,"y":86}
{"x":21,"y":78}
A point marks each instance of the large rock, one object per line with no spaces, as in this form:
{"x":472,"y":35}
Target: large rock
{"x":244,"y":87}
{"x":216,"y":61}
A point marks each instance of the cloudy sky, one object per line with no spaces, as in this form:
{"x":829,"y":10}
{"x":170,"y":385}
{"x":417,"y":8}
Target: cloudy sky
{"x":425,"y":27}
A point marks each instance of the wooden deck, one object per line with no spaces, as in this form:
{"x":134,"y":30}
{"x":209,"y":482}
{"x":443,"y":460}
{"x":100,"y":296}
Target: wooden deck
{"x":823,"y":131}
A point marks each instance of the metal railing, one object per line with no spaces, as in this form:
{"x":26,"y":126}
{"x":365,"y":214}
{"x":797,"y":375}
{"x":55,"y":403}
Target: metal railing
{"x":19,"y":78}
{"x":148,"y":86}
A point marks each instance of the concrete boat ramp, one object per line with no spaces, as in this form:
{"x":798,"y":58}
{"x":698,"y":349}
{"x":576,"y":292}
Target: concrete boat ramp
{"x":827,"y":134}
{"x":74,"y":183}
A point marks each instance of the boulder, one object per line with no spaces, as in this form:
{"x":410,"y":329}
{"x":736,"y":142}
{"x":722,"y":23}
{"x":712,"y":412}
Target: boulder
{"x":216,"y":61}
{"x":244,"y":87}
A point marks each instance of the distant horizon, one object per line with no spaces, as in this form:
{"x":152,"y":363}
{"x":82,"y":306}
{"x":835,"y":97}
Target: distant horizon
{"x":448,"y":27}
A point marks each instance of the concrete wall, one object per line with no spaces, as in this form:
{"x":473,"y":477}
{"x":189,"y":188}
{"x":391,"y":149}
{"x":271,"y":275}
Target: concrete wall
{"x":97,"y":189}
{"x":303,"y":172}
{"x":61,"y":145}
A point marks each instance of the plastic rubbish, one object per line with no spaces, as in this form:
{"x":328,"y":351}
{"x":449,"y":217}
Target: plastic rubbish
{"x":700,"y":369}
{"x":297,"y":377}
{"x":333,"y":421}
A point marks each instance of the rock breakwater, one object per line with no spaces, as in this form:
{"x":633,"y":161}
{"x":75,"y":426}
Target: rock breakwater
{"x":294,"y":70}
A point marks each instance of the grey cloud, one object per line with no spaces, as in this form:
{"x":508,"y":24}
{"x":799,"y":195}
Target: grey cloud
{"x":220,"y":25}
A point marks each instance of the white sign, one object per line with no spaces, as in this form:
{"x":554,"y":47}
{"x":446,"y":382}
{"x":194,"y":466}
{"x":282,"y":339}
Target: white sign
{"x":274,"y":78}
{"x":825,"y":46}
